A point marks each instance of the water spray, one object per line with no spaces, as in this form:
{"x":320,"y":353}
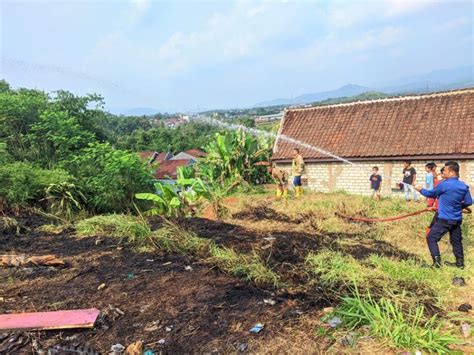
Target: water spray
{"x":260,"y":133}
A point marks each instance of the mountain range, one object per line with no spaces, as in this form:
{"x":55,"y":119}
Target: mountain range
{"x":439,"y":80}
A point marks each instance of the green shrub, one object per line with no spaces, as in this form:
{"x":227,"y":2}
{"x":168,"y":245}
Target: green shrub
{"x":24,"y":183}
{"x":127,"y":228}
{"x":110,"y":178}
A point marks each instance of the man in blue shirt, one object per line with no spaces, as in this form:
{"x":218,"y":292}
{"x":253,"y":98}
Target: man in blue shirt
{"x":453,"y":196}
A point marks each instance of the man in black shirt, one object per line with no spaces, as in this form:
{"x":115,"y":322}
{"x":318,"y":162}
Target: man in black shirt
{"x":409,"y":180}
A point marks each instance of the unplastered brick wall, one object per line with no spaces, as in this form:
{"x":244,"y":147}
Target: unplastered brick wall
{"x":327,"y":177}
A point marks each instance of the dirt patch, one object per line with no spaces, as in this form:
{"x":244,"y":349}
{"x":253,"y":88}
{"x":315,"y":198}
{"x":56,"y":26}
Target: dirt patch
{"x":201,"y":310}
{"x":261,"y":213}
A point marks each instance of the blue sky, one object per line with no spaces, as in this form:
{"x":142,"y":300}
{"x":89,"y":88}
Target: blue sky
{"x":185,"y":55}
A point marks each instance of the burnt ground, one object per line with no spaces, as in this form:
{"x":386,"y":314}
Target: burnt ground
{"x":201,"y":310}
{"x":151,"y":296}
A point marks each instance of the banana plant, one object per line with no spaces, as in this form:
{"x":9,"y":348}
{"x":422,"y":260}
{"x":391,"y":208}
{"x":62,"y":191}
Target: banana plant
{"x":165,"y":202}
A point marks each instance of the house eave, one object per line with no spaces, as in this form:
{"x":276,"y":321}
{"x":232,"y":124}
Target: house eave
{"x":384,"y":158}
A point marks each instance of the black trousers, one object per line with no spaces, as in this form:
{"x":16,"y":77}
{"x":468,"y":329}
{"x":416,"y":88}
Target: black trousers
{"x":438,"y":230}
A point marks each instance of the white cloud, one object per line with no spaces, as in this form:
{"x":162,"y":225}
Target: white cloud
{"x":137,"y":9}
{"x":454,"y":23}
{"x":402,"y":7}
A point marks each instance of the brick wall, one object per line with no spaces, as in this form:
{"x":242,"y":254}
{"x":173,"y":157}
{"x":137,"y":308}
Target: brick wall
{"x":327,"y":177}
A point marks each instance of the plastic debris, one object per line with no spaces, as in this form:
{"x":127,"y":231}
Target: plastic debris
{"x":257,"y":328}
{"x":135,"y":348}
{"x":117,"y":349}
{"x":161,"y":341}
{"x":148,"y":352}
{"x":150,"y":260}
{"x":465,"y":307}
{"x":328,"y":310}
{"x":130,"y":276}
{"x":459,"y":281}
{"x":269,"y":239}
{"x":168,"y":263}
{"x":348,"y":339}
{"x":169,"y":328}
{"x":188,"y":268}
{"x":269,"y":301}
{"x":334,"y":322}
{"x":418,"y":352}
{"x":466,"y":330}
{"x":242,"y":347}
{"x":100,"y":287}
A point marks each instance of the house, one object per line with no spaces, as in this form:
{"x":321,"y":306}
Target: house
{"x":167,"y":170}
{"x":154,"y":157}
{"x":268,"y":118}
{"x":384,"y":132}
{"x":193,"y":154}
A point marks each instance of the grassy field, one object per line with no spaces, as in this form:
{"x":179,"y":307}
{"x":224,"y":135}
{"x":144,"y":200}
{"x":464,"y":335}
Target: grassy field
{"x":296,"y":254}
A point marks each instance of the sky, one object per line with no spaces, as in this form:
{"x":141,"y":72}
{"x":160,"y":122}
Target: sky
{"x":195,"y":55}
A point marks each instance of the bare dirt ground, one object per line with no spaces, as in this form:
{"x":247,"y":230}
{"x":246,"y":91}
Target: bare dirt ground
{"x":155,"y":298}
{"x":201,"y":310}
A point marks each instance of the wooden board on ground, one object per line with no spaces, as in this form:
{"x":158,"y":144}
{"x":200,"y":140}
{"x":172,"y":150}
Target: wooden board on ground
{"x":79,"y":318}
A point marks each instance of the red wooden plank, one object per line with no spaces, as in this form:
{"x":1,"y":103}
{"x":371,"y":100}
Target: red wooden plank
{"x":80,"y":318}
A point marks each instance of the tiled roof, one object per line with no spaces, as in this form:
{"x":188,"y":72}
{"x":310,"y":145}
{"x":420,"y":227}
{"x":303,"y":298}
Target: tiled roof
{"x":168,"y":168}
{"x":196,"y":153}
{"x":157,"y":157}
{"x":439,"y":124}
{"x":147,"y":155}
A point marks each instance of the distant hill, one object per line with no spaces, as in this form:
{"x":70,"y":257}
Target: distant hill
{"x":141,"y":111}
{"x":369,"y":95}
{"x":438,"y":80}
{"x":344,"y":91}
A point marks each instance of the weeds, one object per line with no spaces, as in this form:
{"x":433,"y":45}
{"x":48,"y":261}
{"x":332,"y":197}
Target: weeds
{"x":173,"y":238}
{"x":9,"y":224}
{"x":386,"y":319}
{"x":51,"y":229}
{"x":249,"y":267}
{"x":334,"y":268}
{"x":132,"y":229}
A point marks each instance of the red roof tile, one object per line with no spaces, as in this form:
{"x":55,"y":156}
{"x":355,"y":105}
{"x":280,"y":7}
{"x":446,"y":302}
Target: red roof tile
{"x":148,"y":155}
{"x":168,"y":168}
{"x":439,"y":124}
{"x":196,"y":153}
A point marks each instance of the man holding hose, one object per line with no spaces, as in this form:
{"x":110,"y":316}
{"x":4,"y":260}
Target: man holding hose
{"x":453,"y":196}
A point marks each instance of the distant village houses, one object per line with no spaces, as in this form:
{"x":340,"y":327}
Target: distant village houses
{"x":168,"y":163}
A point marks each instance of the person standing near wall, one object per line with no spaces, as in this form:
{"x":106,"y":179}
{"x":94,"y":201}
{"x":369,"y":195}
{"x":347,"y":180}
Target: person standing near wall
{"x":297,"y":170}
{"x":409,"y":180}
{"x":454,"y":197}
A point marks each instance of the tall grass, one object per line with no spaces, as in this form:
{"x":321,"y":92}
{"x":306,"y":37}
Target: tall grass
{"x":334,"y":268}
{"x":249,"y":267}
{"x":127,"y":228}
{"x":403,"y":329}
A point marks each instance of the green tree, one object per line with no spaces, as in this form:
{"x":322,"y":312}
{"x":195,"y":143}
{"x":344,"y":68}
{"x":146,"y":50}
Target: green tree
{"x":109,"y":178}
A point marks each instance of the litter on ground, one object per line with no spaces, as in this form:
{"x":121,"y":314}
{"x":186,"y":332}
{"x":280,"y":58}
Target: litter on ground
{"x":80,"y":318}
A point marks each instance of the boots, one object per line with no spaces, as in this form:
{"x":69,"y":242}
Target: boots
{"x":436,"y":262}
{"x":285,"y":193}
{"x":298,"y":191}
{"x":278,"y":192}
{"x":459,"y":263}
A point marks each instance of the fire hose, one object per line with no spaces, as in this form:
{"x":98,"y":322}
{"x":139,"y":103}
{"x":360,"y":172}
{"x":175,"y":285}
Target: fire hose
{"x":390,"y":219}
